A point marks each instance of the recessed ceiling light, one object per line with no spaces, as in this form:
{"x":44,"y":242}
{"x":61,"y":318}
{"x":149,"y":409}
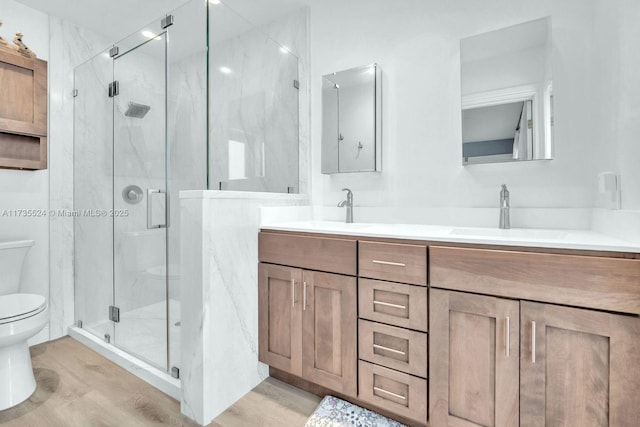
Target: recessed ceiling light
{"x":225,"y":70}
{"x":148,"y":34}
{"x":214,"y":1}
{"x":285,"y":49}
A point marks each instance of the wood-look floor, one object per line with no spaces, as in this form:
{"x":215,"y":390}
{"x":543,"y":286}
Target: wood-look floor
{"x":78,"y":387}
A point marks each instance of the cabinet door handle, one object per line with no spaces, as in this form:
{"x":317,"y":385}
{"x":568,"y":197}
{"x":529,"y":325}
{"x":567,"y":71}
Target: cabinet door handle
{"x":381,"y":390}
{"x":392,"y":350}
{"x":507,"y":338}
{"x":304,"y":296}
{"x":397,"y":264}
{"x":293,"y":293}
{"x":533,"y":341}
{"x":388,"y":304}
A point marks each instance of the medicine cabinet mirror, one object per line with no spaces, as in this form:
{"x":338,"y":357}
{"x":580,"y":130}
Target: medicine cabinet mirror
{"x":507,"y":94}
{"x":351,"y":120}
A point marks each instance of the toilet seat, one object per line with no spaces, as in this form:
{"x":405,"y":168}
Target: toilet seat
{"x":16,"y":307}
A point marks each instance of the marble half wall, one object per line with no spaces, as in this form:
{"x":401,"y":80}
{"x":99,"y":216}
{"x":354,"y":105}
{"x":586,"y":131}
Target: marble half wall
{"x":219,"y":252}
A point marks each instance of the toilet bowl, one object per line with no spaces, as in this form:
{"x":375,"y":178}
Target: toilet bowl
{"x":22,"y":316}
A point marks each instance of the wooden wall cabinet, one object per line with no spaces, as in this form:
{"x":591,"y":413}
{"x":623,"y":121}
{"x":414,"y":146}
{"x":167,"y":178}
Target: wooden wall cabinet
{"x":23,"y":111}
{"x":308,"y":325}
{"x":559,"y":366}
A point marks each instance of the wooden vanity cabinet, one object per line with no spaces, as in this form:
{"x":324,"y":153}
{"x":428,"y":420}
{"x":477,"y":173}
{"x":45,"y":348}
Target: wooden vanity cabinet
{"x":509,"y":362}
{"x":474,"y":360}
{"x":308,"y":319}
{"x":578,"y":367}
{"x":280,"y":317}
{"x":393,"y":328}
{"x":329,"y":331}
{"x":512,"y":338}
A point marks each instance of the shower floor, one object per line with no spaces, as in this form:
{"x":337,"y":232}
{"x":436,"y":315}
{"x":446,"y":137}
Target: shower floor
{"x":142,"y":332}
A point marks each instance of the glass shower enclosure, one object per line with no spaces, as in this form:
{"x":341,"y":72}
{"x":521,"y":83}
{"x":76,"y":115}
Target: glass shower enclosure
{"x":137,"y":143}
{"x":201,"y":98}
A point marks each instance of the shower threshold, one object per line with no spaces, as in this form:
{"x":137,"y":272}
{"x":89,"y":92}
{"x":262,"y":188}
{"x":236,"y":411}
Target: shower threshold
{"x":143,"y":370}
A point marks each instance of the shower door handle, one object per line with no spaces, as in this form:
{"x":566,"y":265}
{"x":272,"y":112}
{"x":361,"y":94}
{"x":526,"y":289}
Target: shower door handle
{"x":156,"y":208}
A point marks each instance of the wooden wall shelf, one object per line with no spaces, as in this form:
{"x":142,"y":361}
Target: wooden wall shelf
{"x":23,"y":111}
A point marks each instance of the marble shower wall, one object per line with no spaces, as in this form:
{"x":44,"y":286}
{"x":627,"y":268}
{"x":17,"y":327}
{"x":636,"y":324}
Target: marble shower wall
{"x":69,"y":46}
{"x":259,"y":131}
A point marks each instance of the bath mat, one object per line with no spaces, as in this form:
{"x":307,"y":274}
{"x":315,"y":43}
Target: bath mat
{"x":334,"y":412}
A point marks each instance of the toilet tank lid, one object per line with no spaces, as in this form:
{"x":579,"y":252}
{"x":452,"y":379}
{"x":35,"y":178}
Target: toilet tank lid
{"x":16,"y":244}
{"x":14,"y":305}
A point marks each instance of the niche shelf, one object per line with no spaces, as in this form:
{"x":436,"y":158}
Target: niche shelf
{"x":23,"y":111}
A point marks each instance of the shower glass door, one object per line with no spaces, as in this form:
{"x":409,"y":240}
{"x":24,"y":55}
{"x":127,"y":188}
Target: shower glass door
{"x":139,"y":199}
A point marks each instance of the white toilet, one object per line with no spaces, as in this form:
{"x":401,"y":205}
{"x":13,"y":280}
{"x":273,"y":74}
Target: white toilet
{"x":22,"y":316}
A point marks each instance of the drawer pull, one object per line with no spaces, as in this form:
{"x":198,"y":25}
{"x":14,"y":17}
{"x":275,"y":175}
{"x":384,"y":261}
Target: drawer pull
{"x":304,"y":296}
{"x":388,"y":304}
{"x":397,"y":264}
{"x":381,"y":390}
{"x":507,"y":338}
{"x":392,"y":350}
{"x":533,"y":342}
{"x":293,"y":293}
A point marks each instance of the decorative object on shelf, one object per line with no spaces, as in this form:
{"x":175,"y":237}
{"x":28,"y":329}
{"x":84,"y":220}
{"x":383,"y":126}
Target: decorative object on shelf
{"x":3,"y":42}
{"x":333,"y":411}
{"x":21,"y":47}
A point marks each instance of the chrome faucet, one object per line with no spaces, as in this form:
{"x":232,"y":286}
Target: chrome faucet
{"x":349,"y":204}
{"x":505,"y":222}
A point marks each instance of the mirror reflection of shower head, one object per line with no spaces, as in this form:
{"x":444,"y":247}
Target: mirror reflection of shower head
{"x":136,"y":110}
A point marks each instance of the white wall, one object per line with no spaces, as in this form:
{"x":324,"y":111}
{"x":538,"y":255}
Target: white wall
{"x":417,"y":45}
{"x":27,"y":189}
{"x":618,"y":92}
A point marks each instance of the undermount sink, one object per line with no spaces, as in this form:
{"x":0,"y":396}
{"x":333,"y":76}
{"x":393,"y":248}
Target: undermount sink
{"x":519,"y":233}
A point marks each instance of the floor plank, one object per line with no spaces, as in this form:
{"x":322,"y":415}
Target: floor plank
{"x":79,"y":387}
{"x":271,"y":404}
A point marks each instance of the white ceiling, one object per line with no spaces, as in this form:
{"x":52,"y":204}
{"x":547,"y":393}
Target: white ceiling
{"x":116,"y":19}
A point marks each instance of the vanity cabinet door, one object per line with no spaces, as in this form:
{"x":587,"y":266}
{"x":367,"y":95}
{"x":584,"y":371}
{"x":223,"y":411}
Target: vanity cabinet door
{"x":473,"y":360}
{"x":280,"y":317}
{"x":329,"y":319}
{"x":578,"y":367}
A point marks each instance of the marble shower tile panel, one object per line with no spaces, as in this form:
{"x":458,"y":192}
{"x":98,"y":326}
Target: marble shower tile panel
{"x":256,"y":108}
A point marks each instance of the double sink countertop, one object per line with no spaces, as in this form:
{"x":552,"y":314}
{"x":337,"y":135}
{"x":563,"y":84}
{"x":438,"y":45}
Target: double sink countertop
{"x":526,"y":237}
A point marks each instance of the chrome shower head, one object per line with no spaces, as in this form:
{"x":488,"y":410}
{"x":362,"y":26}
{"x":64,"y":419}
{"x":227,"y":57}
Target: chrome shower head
{"x":136,"y":110}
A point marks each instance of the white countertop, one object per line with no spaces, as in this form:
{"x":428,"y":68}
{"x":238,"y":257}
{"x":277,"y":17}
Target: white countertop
{"x":541,"y":238}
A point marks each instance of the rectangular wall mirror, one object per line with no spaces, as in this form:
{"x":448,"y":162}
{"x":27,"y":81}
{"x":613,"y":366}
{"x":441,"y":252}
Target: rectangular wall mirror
{"x":507,"y":94}
{"x":351,"y":120}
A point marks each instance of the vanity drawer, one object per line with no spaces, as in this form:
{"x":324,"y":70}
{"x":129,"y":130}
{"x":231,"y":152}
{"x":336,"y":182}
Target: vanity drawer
{"x":313,"y":253}
{"x":611,"y":284}
{"x":394,"y":391}
{"x":394,"y":303}
{"x":393,"y":347}
{"x":393,"y":262}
